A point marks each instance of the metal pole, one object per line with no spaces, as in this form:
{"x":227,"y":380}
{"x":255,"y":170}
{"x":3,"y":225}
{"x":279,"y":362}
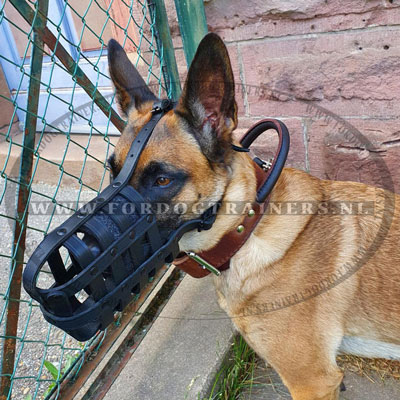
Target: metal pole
{"x":25,"y":175}
{"x":192,"y":24}
{"x":165,"y":47}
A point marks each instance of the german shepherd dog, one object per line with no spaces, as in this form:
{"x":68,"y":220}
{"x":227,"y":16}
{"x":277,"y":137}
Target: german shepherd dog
{"x":189,"y":158}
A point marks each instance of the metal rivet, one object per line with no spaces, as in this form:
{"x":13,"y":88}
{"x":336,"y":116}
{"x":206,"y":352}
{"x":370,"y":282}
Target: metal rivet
{"x":132,"y":235}
{"x":61,"y":232}
{"x":240,"y":228}
{"x":113,"y":251}
{"x":251,"y":213}
{"x":116,"y":184}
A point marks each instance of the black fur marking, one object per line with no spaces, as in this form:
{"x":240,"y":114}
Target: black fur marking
{"x":153,"y":193}
{"x":161,"y":198}
{"x":112,"y":165}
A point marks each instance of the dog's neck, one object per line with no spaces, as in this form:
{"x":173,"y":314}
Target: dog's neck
{"x":241,"y":189}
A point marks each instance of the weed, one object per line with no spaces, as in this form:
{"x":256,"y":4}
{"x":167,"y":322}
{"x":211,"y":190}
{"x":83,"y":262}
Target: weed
{"x":55,"y":373}
{"x":236,"y":375}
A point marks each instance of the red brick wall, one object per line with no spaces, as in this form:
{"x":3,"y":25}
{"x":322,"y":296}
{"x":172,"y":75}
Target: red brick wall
{"x":294,"y":56}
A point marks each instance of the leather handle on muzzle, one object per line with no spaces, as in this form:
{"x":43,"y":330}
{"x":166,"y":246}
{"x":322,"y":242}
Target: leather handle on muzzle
{"x":279,"y":161}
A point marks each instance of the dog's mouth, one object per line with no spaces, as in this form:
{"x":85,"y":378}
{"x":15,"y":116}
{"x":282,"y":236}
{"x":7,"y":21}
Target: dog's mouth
{"x":170,"y":216}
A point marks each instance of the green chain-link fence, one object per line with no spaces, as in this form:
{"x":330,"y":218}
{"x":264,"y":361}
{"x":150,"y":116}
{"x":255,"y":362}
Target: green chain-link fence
{"x":53,"y":58}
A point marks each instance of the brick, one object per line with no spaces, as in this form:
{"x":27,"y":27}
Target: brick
{"x":287,"y":27}
{"x":316,"y":53}
{"x":256,"y":9}
{"x":366,"y":151}
{"x":237,"y":20}
{"x":181,"y":63}
{"x":330,"y":69}
{"x":379,"y":109}
{"x":327,"y":67}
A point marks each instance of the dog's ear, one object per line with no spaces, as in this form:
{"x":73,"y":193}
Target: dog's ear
{"x":208,"y":98}
{"x":131,"y":89}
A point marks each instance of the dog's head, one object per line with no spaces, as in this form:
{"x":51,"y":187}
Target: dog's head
{"x":188,"y":156}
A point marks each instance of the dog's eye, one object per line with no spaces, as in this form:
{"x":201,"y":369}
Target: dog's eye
{"x":163,"y":181}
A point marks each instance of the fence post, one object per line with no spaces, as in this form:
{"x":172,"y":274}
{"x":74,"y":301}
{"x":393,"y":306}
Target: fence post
{"x":170,"y":69}
{"x":192,"y":24}
{"x":25,"y":174}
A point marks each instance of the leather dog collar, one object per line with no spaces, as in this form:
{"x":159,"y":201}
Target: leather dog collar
{"x":218,"y":258}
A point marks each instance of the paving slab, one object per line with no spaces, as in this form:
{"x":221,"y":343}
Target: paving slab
{"x":180,"y":355}
{"x":82,"y":156}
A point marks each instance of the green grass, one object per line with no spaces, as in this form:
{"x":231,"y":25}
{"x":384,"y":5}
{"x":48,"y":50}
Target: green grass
{"x":55,"y":373}
{"x":236,"y":374}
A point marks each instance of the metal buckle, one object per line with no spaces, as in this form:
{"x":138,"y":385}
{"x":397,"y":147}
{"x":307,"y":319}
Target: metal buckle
{"x":204,"y":264}
{"x":266,"y":165}
{"x":163,"y":105}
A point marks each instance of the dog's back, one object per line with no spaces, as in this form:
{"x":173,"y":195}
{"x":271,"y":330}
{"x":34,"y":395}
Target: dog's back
{"x":322,"y":278}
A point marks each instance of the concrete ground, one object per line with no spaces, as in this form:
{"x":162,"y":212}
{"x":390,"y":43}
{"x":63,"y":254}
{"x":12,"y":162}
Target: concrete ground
{"x":183,"y":350}
{"x":268,"y":386}
{"x":186,"y":346}
{"x":40,"y":341}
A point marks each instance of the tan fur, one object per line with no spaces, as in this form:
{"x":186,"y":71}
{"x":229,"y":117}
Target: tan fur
{"x":283,"y":258}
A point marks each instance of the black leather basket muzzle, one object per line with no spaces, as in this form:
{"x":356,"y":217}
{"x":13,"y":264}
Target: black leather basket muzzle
{"x":112,"y":248}
{"x":107,"y":266}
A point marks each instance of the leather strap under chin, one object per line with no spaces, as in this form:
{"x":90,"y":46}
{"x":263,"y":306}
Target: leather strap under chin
{"x":220,"y":255}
